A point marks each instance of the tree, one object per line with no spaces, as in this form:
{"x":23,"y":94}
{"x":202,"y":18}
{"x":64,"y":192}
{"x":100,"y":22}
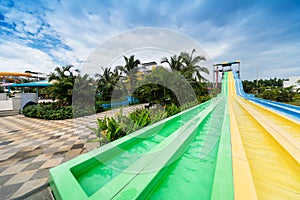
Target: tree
{"x":162,"y":86}
{"x":278,"y":94}
{"x":83,"y":98}
{"x":153,"y":87}
{"x":298,"y":82}
{"x":187,"y":65}
{"x":261,"y":85}
{"x":130,"y":69}
{"x":62,"y":87}
{"x":191,"y":69}
{"x":106,"y":83}
{"x":175,"y":62}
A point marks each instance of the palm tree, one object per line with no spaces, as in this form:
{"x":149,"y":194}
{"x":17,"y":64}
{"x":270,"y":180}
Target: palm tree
{"x":62,"y":87}
{"x":298,"y":89}
{"x":191,"y":69}
{"x":175,"y":62}
{"x":83,"y":98}
{"x":107,"y":82}
{"x":130,"y":69}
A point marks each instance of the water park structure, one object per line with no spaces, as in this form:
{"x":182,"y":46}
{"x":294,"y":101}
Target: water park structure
{"x":234,"y":146}
{"x":9,"y":78}
{"x":223,"y":67}
{"x":19,"y":101}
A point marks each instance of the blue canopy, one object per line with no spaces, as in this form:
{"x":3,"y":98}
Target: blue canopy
{"x":44,"y":83}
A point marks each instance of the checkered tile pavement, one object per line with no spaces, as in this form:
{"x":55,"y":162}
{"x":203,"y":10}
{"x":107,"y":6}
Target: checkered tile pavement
{"x":30,"y":147}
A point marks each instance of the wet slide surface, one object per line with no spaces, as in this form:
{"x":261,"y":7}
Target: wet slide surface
{"x":275,"y":172}
{"x":129,"y":154}
{"x":195,"y":174}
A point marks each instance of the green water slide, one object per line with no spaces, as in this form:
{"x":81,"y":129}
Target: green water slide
{"x":185,"y":156}
{"x":128,"y":153}
{"x":203,"y":171}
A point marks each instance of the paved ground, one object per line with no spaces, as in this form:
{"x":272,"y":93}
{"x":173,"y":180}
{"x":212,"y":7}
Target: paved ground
{"x":30,"y":147}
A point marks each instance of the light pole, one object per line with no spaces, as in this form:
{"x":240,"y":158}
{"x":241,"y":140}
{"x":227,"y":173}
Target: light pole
{"x":72,"y":72}
{"x":257,"y":67}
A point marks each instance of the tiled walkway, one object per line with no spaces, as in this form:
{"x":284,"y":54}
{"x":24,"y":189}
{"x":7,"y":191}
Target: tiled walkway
{"x":30,"y":147}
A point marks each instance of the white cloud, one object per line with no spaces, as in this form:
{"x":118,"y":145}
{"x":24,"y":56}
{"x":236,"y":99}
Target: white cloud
{"x":16,"y":57}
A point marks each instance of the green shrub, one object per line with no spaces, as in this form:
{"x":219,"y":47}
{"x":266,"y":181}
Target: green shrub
{"x":55,"y":110}
{"x":172,"y":110}
{"x":110,"y":129}
{"x":52,"y":111}
{"x":204,"y":98}
{"x":141,"y":117}
{"x":278,"y":94}
{"x":30,"y":111}
{"x":98,"y":107}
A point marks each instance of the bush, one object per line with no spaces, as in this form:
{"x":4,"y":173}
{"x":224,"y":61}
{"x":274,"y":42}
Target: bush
{"x":99,"y":107}
{"x":55,"y":110}
{"x":202,"y":99}
{"x":278,"y":94}
{"x":52,"y":111}
{"x":110,"y":129}
{"x":172,"y":110}
{"x":30,"y":111}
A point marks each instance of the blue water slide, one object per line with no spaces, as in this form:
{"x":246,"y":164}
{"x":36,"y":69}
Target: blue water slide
{"x":286,"y":109}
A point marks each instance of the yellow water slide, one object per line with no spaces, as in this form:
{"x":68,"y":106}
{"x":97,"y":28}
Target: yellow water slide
{"x":14,"y":74}
{"x":265,"y":150}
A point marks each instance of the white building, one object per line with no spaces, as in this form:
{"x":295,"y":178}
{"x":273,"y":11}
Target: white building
{"x":292,"y":81}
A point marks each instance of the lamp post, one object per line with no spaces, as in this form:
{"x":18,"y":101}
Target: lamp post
{"x":71,"y":72}
{"x":257,"y":68}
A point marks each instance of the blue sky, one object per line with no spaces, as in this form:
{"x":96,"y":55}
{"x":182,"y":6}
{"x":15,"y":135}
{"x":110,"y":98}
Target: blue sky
{"x":40,"y":35}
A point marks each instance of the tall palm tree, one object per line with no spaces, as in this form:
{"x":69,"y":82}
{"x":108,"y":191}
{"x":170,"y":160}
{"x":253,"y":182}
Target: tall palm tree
{"x":175,"y":62}
{"x":191,"y":69}
{"x":130,"y":69}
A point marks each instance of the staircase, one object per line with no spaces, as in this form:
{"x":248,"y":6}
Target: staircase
{"x":4,"y":113}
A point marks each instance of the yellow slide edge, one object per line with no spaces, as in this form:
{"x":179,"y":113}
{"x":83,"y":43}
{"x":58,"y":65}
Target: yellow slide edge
{"x":242,"y":177}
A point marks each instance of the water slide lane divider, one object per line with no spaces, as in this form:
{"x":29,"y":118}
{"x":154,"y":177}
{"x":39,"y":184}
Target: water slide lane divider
{"x":288,"y":124}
